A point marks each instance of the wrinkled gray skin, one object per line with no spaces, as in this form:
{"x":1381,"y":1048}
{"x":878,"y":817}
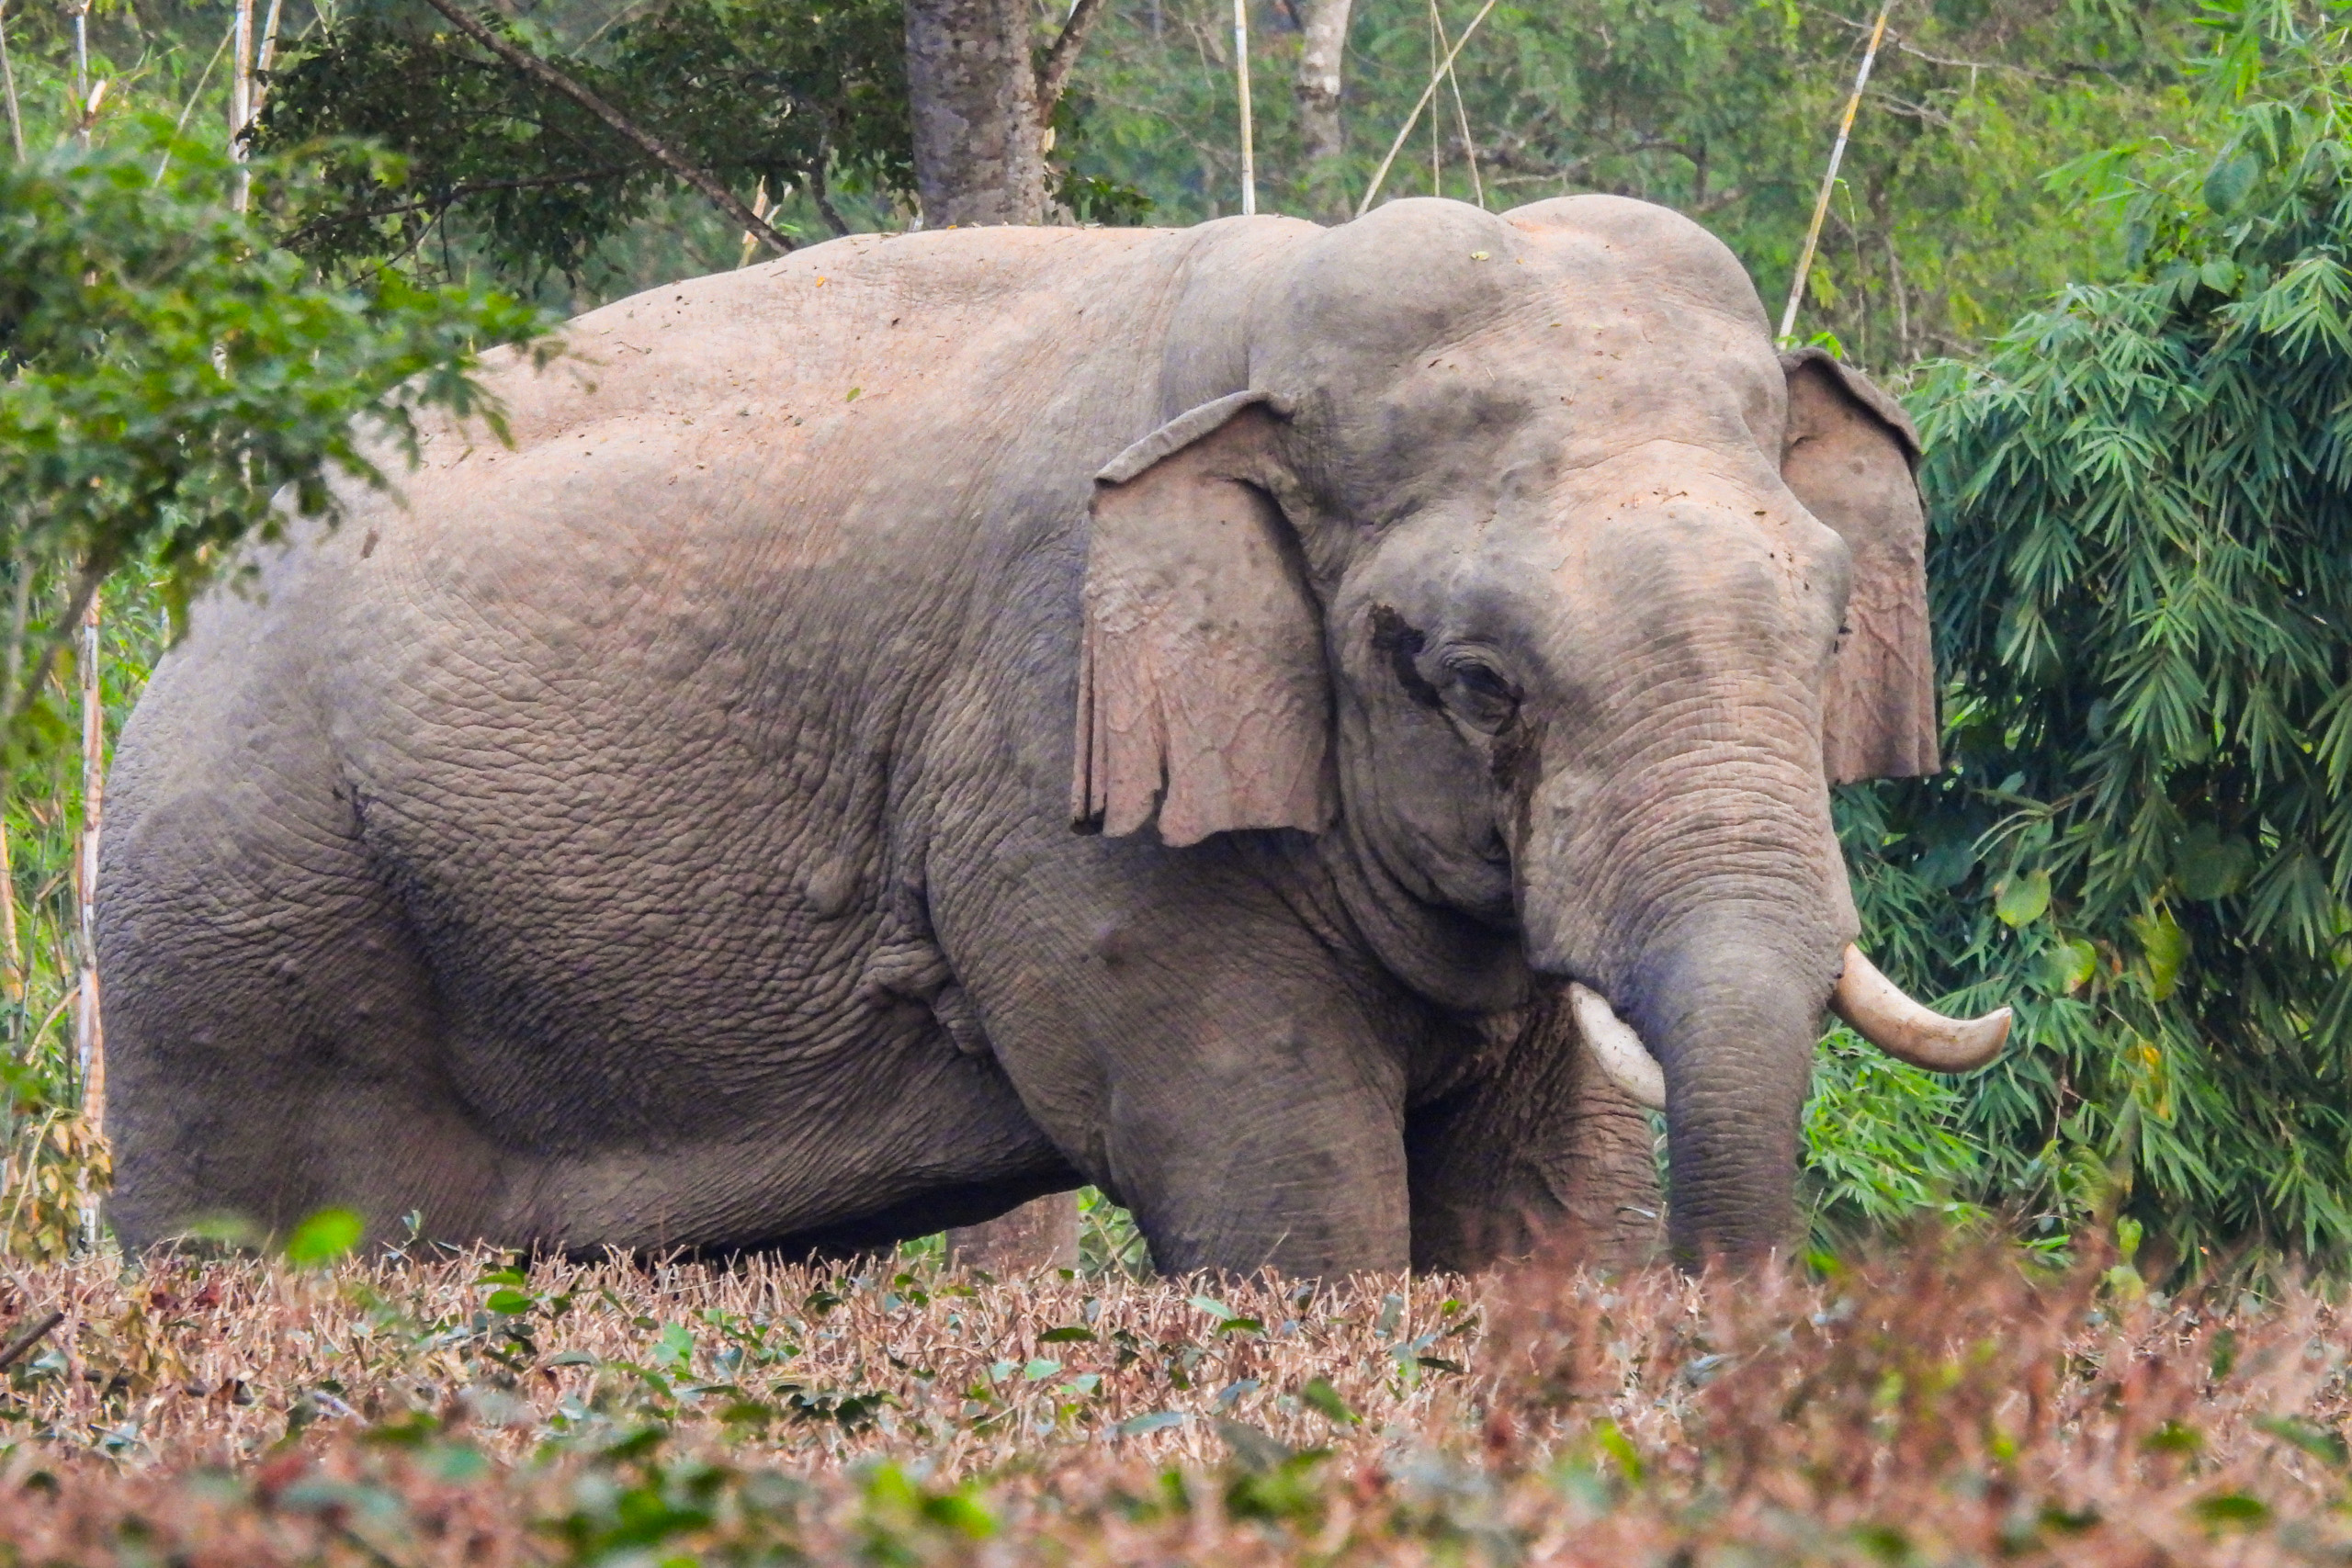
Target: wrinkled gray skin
{"x":660,"y":834}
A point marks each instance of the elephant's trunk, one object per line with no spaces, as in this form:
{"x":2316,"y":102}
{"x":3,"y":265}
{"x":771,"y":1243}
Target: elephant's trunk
{"x":1878,"y":1010}
{"x":1702,"y":896}
{"x":1731,"y":1016}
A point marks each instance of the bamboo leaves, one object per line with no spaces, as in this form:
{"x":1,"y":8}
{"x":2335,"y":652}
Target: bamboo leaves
{"x":2142,"y":553}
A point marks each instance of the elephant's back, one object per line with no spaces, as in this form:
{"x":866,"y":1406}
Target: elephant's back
{"x":635,"y":715}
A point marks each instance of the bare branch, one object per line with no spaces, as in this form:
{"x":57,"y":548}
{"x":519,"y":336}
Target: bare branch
{"x":1061,"y":58}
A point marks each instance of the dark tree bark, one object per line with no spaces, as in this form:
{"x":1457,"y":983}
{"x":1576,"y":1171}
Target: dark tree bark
{"x":979,"y":152}
{"x":981,"y":104}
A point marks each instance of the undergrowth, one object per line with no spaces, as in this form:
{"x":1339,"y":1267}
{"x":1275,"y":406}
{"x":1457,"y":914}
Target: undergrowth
{"x":1953,"y":1402}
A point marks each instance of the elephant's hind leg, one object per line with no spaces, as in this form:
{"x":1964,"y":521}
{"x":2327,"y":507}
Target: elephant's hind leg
{"x":272,"y":1038}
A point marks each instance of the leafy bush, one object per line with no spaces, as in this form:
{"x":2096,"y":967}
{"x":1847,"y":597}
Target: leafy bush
{"x":169,"y":379}
{"x":2142,"y":560}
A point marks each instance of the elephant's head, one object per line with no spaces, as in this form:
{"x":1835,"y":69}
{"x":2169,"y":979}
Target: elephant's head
{"x":1529,"y":574}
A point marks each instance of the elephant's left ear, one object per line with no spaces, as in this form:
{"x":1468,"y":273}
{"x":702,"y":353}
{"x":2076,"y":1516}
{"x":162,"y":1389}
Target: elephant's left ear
{"x":1203,"y":692}
{"x":1851,"y":455}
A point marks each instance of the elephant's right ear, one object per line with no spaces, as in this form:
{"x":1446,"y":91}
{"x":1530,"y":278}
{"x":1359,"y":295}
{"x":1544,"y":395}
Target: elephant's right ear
{"x":1203,"y":692}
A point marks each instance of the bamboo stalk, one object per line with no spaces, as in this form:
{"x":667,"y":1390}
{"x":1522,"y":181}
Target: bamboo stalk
{"x":1406,"y":129}
{"x":1461,"y":113}
{"x":240,"y":102}
{"x":1829,"y":178}
{"x":266,"y":58}
{"x":89,"y":1033}
{"x":8,"y":87}
{"x":1437,"y":149}
{"x":12,"y":978}
{"x":1241,"y":73}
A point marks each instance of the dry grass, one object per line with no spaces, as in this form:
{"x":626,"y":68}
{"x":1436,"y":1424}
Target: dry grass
{"x":1935,"y":1407}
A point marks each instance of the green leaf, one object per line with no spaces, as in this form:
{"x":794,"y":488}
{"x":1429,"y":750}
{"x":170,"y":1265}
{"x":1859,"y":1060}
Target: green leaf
{"x":962,"y":1512}
{"x":2232,"y":1508}
{"x":2068,"y":966}
{"x":512,"y":1303}
{"x":328,"y":1235}
{"x":1319,"y":1396}
{"x":2020,"y":900}
{"x":2323,"y":1443}
{"x":2164,"y":948}
{"x":1215,"y":1308}
{"x":1072,"y":1334}
{"x":1158,"y":1421}
{"x":2209,"y":866}
{"x":1945,"y":866}
{"x":2231,"y":179}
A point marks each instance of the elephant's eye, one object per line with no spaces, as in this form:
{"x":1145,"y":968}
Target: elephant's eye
{"x":1481,"y":693}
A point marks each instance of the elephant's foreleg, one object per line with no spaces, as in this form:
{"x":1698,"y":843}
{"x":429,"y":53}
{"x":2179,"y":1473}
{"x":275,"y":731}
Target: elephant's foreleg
{"x":1540,"y":1150}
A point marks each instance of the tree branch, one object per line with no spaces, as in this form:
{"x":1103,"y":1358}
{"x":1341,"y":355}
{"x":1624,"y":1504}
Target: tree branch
{"x":450,"y":198}
{"x":539,"y":71}
{"x":1061,"y":58}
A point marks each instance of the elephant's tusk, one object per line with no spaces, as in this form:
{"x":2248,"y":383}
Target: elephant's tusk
{"x":1623,"y":1059}
{"x":1883,"y":1015}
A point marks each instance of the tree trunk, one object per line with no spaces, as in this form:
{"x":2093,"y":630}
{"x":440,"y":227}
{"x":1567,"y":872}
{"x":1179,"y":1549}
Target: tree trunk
{"x":979,"y":152}
{"x":1040,"y":1234}
{"x":1321,"y":49}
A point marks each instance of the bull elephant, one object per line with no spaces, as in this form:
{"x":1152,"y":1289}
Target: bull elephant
{"x":659,"y":832}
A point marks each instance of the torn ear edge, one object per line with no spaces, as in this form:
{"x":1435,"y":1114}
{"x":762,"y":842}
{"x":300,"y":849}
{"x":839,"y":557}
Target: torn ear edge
{"x":1204,"y":697}
{"x":1851,"y":455}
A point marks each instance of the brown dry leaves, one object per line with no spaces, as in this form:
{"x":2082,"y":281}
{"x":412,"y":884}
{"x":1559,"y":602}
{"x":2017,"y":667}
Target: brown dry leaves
{"x":1936,"y":1408}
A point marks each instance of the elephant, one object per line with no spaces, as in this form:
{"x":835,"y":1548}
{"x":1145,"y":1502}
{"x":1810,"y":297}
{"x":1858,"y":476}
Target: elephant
{"x":1222,"y":713}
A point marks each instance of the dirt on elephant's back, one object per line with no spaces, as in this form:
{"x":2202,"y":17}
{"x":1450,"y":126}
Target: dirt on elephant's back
{"x":1937,"y":1405}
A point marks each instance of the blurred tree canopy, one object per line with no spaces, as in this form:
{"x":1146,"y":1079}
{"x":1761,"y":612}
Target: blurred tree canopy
{"x":802,"y":98}
{"x":1942,"y":231}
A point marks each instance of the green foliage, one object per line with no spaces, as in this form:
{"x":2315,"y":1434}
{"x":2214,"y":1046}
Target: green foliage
{"x":495,"y":167}
{"x":324,"y":1238}
{"x":1942,"y":230}
{"x":2141,"y":559}
{"x":166,"y":377}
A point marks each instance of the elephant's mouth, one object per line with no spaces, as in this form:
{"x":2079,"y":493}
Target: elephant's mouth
{"x":1875,"y":1006}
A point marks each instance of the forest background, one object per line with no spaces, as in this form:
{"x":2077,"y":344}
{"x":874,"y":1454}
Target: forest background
{"x":2097,"y":245}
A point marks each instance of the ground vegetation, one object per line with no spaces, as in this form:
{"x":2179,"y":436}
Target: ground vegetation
{"x":1949,"y":1405}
